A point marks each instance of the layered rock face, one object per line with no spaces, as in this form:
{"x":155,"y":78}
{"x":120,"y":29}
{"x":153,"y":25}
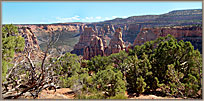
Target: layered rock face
{"x":60,"y":28}
{"x":31,"y":41}
{"x":186,"y":33}
{"x":95,"y":48}
{"x":116,"y":43}
{"x":52,"y":27}
{"x":31,"y":44}
{"x":84,"y":40}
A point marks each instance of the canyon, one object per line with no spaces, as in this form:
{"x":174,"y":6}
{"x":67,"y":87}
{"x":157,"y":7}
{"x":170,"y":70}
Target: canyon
{"x":112,"y":36}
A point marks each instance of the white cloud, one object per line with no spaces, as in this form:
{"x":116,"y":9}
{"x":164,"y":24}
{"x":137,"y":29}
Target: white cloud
{"x":92,"y":19}
{"x":114,"y":17}
{"x":98,"y":17}
{"x":107,"y":18}
{"x":89,"y":18}
{"x":70,"y":19}
{"x":86,"y":19}
{"x":124,"y":16}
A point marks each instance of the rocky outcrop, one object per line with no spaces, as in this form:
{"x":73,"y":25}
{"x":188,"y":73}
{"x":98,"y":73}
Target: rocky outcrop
{"x":81,"y":29}
{"x":31,"y":44}
{"x":116,"y":43}
{"x":186,"y":33}
{"x":84,"y":40}
{"x":112,"y":29}
{"x":106,"y":29}
{"x":31,"y":41}
{"x":95,"y":29}
{"x":95,"y":48}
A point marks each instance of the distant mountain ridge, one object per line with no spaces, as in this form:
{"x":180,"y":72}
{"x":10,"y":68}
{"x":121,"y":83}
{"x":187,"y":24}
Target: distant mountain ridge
{"x":175,"y":17}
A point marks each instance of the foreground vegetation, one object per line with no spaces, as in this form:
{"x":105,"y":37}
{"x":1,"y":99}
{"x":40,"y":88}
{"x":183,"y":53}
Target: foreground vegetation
{"x":173,"y":68}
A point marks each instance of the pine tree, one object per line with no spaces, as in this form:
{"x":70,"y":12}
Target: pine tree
{"x":12,"y":42}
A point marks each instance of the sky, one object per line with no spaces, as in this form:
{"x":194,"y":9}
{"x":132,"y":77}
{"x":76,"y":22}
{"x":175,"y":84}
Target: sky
{"x":61,"y":12}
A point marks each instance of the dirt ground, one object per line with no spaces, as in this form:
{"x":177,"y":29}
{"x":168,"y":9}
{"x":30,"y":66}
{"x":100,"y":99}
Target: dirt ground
{"x":67,"y":93}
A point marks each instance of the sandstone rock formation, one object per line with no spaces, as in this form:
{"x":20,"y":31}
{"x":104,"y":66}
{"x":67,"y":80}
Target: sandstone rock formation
{"x":107,"y":29}
{"x":31,"y":44}
{"x":116,"y":43}
{"x":95,"y":29}
{"x":95,"y":48}
{"x":101,"y":31}
{"x":112,"y":29}
{"x":84,"y":40}
{"x":81,"y":29}
{"x":31,"y":41}
{"x":186,"y":33}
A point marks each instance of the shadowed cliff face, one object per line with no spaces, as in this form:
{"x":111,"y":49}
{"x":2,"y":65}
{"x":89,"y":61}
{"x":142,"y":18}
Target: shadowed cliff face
{"x":186,"y":33}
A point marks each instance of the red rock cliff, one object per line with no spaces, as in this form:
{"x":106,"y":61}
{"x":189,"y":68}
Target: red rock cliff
{"x":186,"y":33}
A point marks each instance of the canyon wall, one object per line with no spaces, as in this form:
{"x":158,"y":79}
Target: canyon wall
{"x":31,"y":44}
{"x":186,"y":33}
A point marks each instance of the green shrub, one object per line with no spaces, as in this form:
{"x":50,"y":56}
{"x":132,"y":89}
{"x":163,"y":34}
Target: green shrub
{"x":11,"y":42}
{"x":174,"y":66}
{"x":109,"y":81}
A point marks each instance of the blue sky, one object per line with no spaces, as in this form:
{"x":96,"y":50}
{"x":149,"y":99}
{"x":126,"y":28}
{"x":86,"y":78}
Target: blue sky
{"x":59,"y":12}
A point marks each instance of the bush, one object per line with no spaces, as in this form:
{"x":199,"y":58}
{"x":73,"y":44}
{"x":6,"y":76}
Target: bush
{"x":139,"y":74}
{"x":110,"y":82}
{"x":174,"y":66}
{"x":65,"y":67}
{"x":11,"y":43}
